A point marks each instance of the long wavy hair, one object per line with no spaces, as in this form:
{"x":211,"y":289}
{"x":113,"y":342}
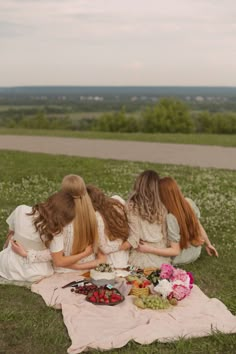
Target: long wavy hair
{"x":145,"y":200}
{"x":177,"y":205}
{"x":51,"y":216}
{"x":112,"y":212}
{"x":85,"y":223}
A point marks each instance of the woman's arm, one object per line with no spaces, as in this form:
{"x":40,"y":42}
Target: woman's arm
{"x":59,"y":260}
{"x":8,"y":238}
{"x":31,"y":255}
{"x":101,"y":258}
{"x":173,"y":250}
{"x":209,"y":248}
{"x":125,"y":246}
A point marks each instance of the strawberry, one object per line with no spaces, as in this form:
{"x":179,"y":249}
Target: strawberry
{"x":92,"y":299}
{"x":146,"y":283}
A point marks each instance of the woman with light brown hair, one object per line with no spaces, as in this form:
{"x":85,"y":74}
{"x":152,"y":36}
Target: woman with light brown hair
{"x":185,"y":233}
{"x":146,"y":216}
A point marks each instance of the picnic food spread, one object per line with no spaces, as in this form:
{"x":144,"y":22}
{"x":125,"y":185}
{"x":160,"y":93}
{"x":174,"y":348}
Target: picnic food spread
{"x":158,"y":290}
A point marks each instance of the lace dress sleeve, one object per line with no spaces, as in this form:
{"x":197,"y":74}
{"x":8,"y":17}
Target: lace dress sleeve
{"x":39,"y":256}
{"x":134,"y":229}
{"x":105,"y":245}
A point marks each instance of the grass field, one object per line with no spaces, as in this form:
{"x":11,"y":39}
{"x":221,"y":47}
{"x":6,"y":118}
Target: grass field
{"x":27,"y":326}
{"x":199,"y":139}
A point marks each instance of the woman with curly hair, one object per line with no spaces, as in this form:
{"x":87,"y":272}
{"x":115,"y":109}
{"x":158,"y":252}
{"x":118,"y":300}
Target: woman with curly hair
{"x":79,"y":237}
{"x":185,"y":233}
{"x":146,"y":216}
{"x":38,"y":228}
{"x":113,"y":228}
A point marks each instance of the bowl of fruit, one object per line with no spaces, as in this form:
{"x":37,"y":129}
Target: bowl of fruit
{"x":140,"y":286}
{"x":105,"y":296}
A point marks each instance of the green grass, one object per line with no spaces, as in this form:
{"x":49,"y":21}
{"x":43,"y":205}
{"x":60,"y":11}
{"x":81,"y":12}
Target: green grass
{"x":199,"y":139}
{"x":28,"y":326}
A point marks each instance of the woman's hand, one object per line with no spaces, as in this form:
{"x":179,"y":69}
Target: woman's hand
{"x":18,"y":248}
{"x":211,"y":251}
{"x":88,"y":251}
{"x":144,"y":247}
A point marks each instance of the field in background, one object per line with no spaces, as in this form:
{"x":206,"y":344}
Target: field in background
{"x":28,"y":326}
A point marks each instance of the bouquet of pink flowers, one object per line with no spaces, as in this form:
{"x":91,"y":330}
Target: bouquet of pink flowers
{"x":174,"y":282}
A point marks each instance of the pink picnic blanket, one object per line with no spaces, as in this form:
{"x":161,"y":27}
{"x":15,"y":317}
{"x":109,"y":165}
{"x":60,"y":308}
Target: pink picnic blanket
{"x":109,"y":327}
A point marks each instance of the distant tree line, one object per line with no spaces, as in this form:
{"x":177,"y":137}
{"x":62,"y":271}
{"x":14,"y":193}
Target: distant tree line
{"x":167,"y":116}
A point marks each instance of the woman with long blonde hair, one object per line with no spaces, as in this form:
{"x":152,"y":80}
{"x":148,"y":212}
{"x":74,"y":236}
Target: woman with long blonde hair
{"x":185,"y":233}
{"x":146,"y":216}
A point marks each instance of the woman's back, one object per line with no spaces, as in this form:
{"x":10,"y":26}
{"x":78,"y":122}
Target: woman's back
{"x":146,"y":216}
{"x":24,"y":229}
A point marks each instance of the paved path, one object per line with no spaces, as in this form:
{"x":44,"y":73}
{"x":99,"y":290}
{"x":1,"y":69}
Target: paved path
{"x":179,"y":154}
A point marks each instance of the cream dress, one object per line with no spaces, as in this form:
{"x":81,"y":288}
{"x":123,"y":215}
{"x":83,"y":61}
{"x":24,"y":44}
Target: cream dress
{"x":15,"y":267}
{"x":152,"y":234}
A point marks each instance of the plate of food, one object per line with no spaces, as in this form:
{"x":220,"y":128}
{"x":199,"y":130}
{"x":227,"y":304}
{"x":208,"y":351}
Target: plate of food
{"x":105,"y":296}
{"x":103,"y":274}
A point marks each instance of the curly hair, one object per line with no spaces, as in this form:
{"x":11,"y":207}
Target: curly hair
{"x":51,"y":216}
{"x":85,"y":222}
{"x":145,"y":200}
{"x":177,"y":205}
{"x":112,"y":212}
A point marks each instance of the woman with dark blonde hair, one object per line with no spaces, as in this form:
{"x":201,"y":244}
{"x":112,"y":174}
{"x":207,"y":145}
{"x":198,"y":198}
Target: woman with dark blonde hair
{"x":39,"y":228}
{"x":185,"y":233}
{"x":146,"y":216}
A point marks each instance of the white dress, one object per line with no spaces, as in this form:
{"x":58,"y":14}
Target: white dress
{"x":116,"y":258}
{"x":15,"y":267}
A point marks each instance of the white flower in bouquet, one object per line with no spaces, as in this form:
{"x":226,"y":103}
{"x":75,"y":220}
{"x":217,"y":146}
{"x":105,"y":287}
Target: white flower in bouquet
{"x":164,"y":288}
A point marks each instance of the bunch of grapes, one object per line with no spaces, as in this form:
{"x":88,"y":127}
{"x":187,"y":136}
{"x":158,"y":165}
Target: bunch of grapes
{"x":154,"y":302}
{"x":84,"y":289}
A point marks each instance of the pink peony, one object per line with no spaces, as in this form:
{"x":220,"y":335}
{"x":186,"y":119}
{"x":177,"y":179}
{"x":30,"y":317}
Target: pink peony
{"x":180,"y":292}
{"x":179,"y":274}
{"x":166,"y":271}
{"x":191,"y":277}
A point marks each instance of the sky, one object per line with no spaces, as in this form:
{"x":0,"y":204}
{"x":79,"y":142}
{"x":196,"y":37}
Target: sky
{"x":118,"y":42}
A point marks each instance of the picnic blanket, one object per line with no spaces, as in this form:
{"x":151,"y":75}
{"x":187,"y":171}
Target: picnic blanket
{"x":109,"y":327}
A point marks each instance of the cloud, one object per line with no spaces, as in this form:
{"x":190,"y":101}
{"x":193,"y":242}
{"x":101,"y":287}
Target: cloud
{"x":107,"y":40}
{"x":11,"y":29}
